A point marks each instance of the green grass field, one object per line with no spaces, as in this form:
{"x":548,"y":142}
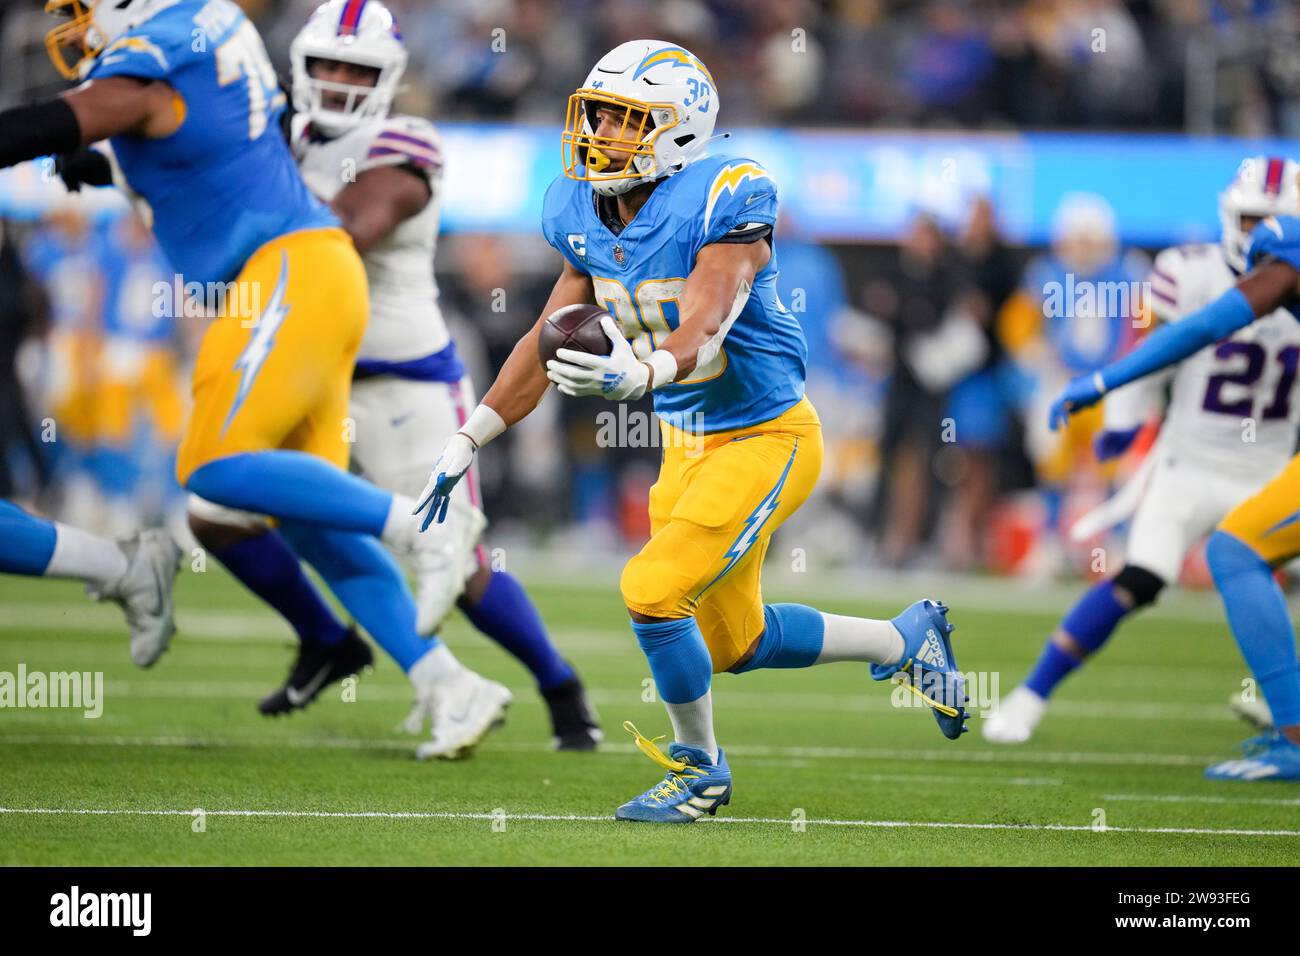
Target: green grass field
{"x":827,"y":770}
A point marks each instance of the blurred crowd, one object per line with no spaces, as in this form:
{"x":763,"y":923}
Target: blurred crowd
{"x":1204,"y":65}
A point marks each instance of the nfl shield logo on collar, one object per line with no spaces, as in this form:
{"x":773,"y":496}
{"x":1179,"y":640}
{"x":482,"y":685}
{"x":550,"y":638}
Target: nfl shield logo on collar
{"x":618,"y":255}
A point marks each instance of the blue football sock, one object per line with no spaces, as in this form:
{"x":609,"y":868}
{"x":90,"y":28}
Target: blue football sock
{"x":1257,"y":613}
{"x":679,"y":658}
{"x":269,"y":569}
{"x":366,"y":579}
{"x":294,"y":486}
{"x":26,"y":542}
{"x":792,"y":637}
{"x":507,"y":615}
{"x":1090,"y":623}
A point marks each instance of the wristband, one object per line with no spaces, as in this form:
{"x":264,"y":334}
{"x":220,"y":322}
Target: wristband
{"x":483,"y":425}
{"x":663,"y":365}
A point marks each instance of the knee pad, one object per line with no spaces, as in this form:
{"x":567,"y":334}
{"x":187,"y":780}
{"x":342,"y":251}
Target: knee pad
{"x":645,"y":589}
{"x":1140,"y":584}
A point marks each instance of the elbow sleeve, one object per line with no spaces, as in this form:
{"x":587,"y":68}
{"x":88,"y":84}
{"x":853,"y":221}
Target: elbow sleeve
{"x":27,"y":132}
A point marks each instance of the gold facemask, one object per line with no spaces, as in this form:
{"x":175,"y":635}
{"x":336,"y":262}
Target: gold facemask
{"x":590,"y":157}
{"x":75,"y":33}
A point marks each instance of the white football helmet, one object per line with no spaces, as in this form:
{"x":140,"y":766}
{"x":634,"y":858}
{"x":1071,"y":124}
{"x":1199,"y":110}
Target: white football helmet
{"x":91,"y":26}
{"x":1264,"y":186}
{"x":363,"y":32}
{"x":668,"y":104}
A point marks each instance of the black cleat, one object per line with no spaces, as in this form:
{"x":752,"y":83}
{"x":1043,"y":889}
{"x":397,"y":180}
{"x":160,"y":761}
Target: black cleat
{"x":573,"y":719}
{"x":317,"y":666}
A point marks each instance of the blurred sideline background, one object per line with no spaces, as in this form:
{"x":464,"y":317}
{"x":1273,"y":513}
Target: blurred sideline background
{"x":942,"y":166}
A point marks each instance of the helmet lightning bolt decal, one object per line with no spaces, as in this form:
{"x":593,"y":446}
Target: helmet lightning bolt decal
{"x":259,"y":346}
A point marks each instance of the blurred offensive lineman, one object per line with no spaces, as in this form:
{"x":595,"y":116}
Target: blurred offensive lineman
{"x":678,"y":246}
{"x":187,"y":96}
{"x":382,"y":175}
{"x":1260,"y":533}
{"x":1230,"y":426}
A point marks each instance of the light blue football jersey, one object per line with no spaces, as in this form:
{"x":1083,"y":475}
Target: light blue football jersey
{"x":225,"y":183}
{"x":639,"y":276}
{"x":1277,"y":237}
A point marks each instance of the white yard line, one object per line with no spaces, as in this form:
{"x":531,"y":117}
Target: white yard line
{"x":919,"y":756}
{"x":1201,"y":798}
{"x":579,"y":818}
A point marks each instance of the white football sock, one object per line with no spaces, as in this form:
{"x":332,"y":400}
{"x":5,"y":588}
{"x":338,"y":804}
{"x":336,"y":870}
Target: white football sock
{"x":437,"y":665}
{"x":693,"y":724}
{"x":859,"y":639}
{"x":85,"y":557}
{"x":400,"y":527}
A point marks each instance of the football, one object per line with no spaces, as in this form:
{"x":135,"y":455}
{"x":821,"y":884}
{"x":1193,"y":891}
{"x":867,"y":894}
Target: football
{"x":573,"y":327}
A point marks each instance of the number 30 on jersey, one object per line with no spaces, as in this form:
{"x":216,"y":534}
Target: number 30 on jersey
{"x":645,"y":319}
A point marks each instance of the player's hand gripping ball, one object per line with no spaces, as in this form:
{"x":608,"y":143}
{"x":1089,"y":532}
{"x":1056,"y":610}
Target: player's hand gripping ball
{"x":609,"y":368}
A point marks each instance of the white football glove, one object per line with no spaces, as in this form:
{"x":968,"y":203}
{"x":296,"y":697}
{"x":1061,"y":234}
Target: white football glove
{"x":619,"y":376}
{"x":457,"y":455}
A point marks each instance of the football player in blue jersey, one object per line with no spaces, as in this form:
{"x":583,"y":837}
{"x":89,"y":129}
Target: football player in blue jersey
{"x":188,"y":98}
{"x":677,"y":246}
{"x":1263,"y":532}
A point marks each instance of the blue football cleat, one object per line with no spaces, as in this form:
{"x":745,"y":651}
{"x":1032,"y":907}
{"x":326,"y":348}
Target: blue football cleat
{"x":693,"y":787}
{"x":927,"y":665}
{"x":1266,"y":758}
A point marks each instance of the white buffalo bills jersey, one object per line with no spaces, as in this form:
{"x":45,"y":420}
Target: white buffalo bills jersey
{"x":406,"y":323}
{"x":1233,"y":405}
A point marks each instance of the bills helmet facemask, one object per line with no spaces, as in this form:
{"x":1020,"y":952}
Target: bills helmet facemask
{"x":1264,"y":186}
{"x":360,"y":32}
{"x":89,"y":27}
{"x":660,"y":102}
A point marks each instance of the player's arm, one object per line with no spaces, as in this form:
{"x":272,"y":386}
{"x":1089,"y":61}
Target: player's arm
{"x":94,"y":111}
{"x":1258,"y":293}
{"x":379,"y":201}
{"x":716,"y":290}
{"x":522,"y":382}
{"x":518,"y":389}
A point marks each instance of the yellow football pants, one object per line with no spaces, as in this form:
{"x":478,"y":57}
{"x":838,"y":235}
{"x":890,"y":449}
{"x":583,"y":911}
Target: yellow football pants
{"x":713,"y":510}
{"x":1269,"y":520}
{"x":281,"y":376}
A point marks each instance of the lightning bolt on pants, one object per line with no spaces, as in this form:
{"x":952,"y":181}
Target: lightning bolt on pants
{"x":713,"y":510}
{"x":281,"y":377}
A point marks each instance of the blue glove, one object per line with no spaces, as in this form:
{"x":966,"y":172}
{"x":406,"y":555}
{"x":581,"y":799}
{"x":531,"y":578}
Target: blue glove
{"x":1082,"y":392}
{"x":1112,"y":444}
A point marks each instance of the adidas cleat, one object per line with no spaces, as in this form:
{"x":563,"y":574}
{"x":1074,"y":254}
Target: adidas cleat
{"x":317,"y":666}
{"x":694,"y":786}
{"x":574,"y":724}
{"x":927,"y":666}
{"x":1265,"y":758}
